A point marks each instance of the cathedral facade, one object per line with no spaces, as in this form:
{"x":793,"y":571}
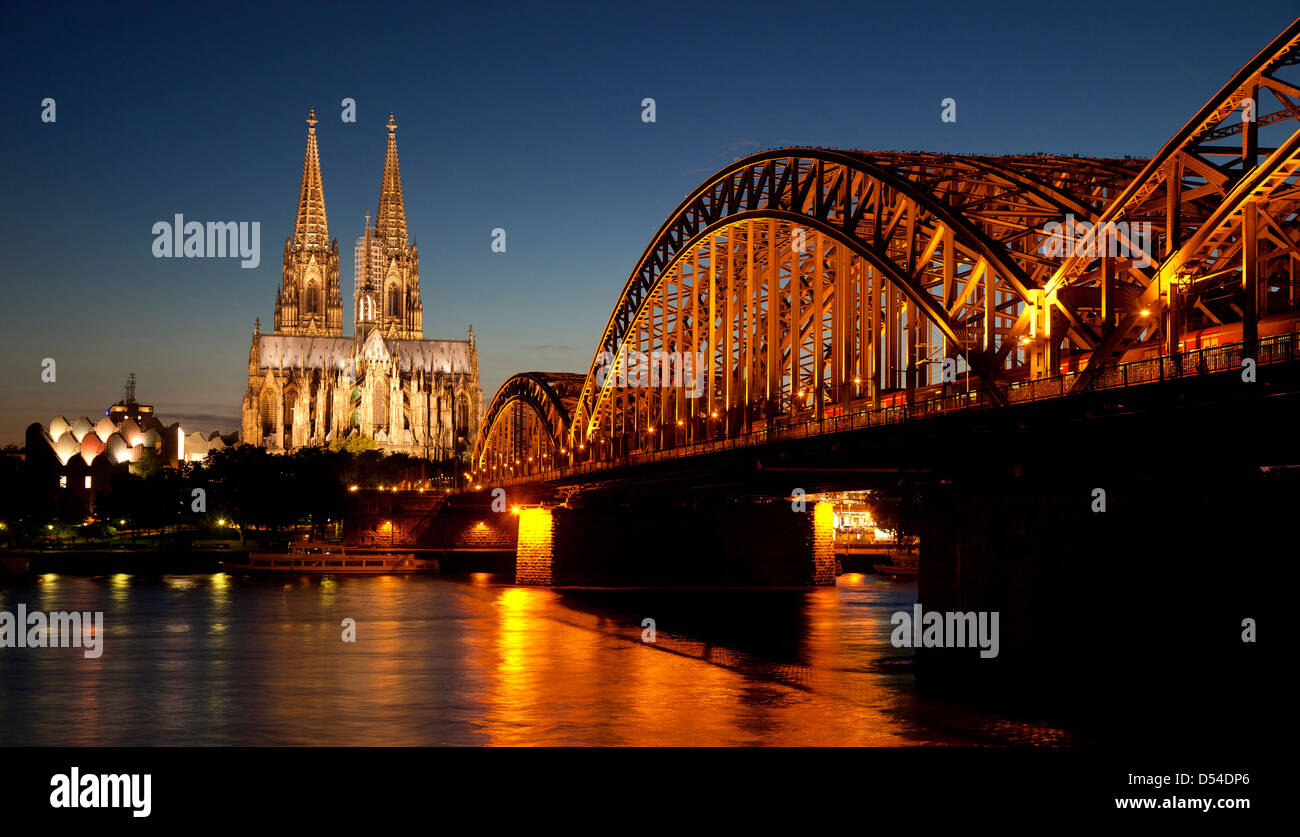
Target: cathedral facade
{"x":309,"y":384}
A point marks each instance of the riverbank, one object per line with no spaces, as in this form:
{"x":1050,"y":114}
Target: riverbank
{"x":147,"y":561}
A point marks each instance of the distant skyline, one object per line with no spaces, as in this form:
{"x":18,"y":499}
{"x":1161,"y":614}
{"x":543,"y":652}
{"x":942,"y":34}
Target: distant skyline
{"x":527,"y":120}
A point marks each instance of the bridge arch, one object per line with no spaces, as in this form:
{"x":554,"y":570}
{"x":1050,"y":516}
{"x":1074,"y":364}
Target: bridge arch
{"x":884,"y":263}
{"x":801,"y":283}
{"x":1221,"y":199}
{"x":526,"y":425}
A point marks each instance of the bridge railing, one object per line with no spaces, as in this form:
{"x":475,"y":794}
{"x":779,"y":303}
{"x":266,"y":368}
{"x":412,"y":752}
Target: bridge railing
{"x":1280,"y":348}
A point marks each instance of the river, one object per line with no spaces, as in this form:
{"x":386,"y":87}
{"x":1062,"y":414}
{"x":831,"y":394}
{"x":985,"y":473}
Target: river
{"x":472,"y":660}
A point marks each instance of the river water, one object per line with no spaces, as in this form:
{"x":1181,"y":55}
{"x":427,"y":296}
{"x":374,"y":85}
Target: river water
{"x":473,"y":660}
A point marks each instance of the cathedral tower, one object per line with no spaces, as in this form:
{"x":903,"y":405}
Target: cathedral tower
{"x":310,"y":385}
{"x":387,"y":294}
{"x":309,"y":301}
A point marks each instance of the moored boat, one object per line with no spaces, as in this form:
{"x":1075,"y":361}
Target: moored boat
{"x":900,"y":562}
{"x":331,"y":559}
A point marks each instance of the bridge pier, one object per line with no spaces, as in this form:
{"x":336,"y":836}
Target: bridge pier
{"x":1119,"y":573}
{"x":657,"y":542}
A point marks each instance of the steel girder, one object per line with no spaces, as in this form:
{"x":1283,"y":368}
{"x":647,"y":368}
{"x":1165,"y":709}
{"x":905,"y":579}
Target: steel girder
{"x":1196,"y":193}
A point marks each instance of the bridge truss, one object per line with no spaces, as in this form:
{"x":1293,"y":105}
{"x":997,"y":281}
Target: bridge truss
{"x":803,"y":283}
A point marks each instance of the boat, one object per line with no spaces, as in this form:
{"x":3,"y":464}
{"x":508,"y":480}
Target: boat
{"x":13,"y":564}
{"x":331,"y":559}
{"x":900,"y":562}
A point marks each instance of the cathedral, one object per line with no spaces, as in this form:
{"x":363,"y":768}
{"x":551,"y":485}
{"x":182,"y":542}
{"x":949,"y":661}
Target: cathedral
{"x":309,"y":384}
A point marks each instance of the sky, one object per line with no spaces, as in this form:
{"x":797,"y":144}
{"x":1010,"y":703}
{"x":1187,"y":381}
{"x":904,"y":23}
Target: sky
{"x":521,"y":117}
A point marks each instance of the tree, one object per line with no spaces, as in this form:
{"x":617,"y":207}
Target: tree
{"x":897,"y":509}
{"x":354,"y":444}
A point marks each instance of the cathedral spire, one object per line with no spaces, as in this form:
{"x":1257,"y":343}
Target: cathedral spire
{"x":390,"y":219}
{"x":311,"y":229}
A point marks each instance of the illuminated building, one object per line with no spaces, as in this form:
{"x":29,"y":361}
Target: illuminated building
{"x":309,"y":384}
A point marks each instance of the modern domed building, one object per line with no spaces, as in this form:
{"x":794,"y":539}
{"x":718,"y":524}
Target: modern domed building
{"x":81,"y":456}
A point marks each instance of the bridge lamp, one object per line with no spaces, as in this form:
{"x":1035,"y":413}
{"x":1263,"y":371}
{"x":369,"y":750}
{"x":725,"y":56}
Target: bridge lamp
{"x":352,"y":488}
{"x":713,"y":414}
{"x":651,"y":430}
{"x":1024,"y":341}
{"x":1145,"y":312}
{"x":515,"y":510}
{"x":679,"y":422}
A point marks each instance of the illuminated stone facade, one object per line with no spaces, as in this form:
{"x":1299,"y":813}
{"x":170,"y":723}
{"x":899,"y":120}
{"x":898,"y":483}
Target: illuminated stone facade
{"x":309,"y":384}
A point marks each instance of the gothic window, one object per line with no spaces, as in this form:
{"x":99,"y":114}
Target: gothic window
{"x":381,"y":405}
{"x":394,"y":301}
{"x":462,"y":416}
{"x":313,"y":299}
{"x":268,"y":413}
{"x":290,"y":405}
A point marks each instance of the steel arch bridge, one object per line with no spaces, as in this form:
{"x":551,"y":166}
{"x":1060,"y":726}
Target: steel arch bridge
{"x":802,"y":283}
{"x":527,"y":424}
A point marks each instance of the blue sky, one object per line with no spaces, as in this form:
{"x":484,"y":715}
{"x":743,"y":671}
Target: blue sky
{"x":520,"y":117}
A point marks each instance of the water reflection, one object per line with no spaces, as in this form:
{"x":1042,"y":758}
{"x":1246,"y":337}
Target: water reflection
{"x":219,"y":659}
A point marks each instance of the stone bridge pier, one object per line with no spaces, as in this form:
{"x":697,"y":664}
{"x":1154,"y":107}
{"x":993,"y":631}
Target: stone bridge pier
{"x":1127,"y":571}
{"x":645,"y":541}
